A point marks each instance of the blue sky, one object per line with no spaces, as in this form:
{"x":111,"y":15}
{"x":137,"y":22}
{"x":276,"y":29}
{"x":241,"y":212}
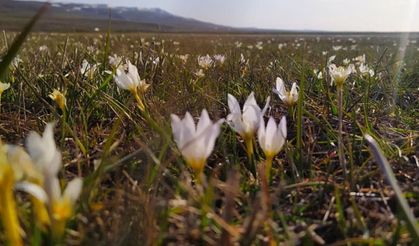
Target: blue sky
{"x":331,"y":15}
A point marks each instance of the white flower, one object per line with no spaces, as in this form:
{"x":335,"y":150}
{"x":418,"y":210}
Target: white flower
{"x":360,"y":59}
{"x":272,"y":137}
{"x":131,"y":80}
{"x":184,"y":58}
{"x":88,"y":70}
{"x":364,"y":69}
{"x":47,"y":160}
{"x":330,"y":60}
{"x":43,"y":48}
{"x":200,"y":73}
{"x":346,"y":61}
{"x":115,"y":61}
{"x":220,"y":58}
{"x":340,"y":74}
{"x":245,"y":122}
{"x":62,"y":203}
{"x":288,"y":97}
{"x":44,"y":152}
{"x":196,"y":143}
{"x":318,"y":73}
{"x":205,"y":61}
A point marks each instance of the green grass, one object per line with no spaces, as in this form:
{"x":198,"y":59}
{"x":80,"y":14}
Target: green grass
{"x":134,"y":174}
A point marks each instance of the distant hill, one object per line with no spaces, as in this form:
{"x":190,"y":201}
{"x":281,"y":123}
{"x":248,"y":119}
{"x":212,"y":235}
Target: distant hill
{"x":84,"y":17}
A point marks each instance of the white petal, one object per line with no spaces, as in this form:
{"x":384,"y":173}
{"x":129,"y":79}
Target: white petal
{"x":187,"y":131}
{"x":235,"y":122}
{"x":251,"y":117}
{"x":133,"y":74}
{"x":53,"y":188}
{"x":176,"y":127}
{"x":262,"y":133}
{"x":203,"y":123}
{"x":270,"y":136}
{"x":280,"y":88}
{"x":122,"y":80}
{"x":268,"y":99}
{"x":212,"y":136}
{"x":283,"y":126}
{"x":73,"y":189}
{"x":233,"y":104}
{"x":250,"y":101}
{"x":294,"y":92}
{"x":43,"y":150}
{"x":33,"y":190}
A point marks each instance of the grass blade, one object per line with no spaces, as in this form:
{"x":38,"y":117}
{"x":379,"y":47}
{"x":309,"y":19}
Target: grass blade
{"x":391,"y":179}
{"x":14,"y":48}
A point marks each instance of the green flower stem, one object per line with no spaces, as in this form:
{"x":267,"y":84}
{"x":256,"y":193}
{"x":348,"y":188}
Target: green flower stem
{"x":341,"y":152}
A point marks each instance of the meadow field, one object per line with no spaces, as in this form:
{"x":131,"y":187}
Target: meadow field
{"x":117,"y":165}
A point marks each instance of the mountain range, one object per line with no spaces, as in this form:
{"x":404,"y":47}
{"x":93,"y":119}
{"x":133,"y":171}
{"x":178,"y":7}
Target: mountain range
{"x":65,"y":17}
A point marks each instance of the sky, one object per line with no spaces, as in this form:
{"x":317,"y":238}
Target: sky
{"x":325,"y":15}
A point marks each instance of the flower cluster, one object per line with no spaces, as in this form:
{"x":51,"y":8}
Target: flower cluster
{"x":197,"y":142}
{"x":35,"y":171}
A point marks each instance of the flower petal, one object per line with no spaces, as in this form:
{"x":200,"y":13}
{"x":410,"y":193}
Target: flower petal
{"x":73,"y":189}
{"x":33,"y":190}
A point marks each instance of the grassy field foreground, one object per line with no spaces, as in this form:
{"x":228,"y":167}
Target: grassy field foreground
{"x":137,"y":188}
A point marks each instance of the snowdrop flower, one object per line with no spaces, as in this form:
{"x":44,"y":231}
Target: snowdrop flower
{"x":290,"y":98}
{"x":238,"y":44}
{"x":259,"y":45}
{"x":43,"y":151}
{"x":59,"y":98}
{"x":364,"y":70}
{"x":62,"y":203}
{"x":47,"y":159}
{"x":200,"y":73}
{"x":205,"y":61}
{"x":196,"y":143}
{"x":360,"y":59}
{"x":220,"y":58}
{"x":318,"y":73}
{"x":272,"y":137}
{"x":88,"y":70}
{"x":339,"y":74}
{"x":43,"y":48}
{"x":155,"y":61}
{"x":330,"y":60}
{"x":115,"y":61}
{"x":132,"y":82}
{"x":184,"y":58}
{"x":346,"y":61}
{"x":246,"y":122}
